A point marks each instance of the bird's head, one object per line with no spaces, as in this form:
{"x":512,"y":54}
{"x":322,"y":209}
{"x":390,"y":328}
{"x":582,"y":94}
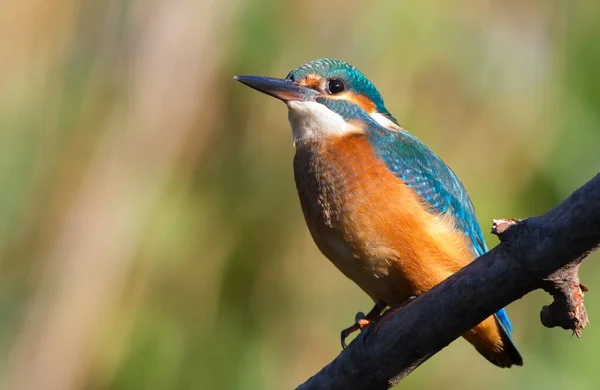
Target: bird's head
{"x":325,"y":97}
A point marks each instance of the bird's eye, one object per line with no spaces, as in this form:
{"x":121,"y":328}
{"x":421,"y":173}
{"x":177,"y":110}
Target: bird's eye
{"x":336,"y":86}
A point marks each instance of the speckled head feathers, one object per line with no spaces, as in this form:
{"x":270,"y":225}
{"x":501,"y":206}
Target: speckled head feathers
{"x":357,"y":89}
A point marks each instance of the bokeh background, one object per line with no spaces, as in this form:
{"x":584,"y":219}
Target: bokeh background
{"x":150,"y":233}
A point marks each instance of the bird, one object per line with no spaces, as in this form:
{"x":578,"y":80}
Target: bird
{"x":379,"y":203}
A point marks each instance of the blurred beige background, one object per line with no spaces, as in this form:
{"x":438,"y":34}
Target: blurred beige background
{"x":150,"y":233}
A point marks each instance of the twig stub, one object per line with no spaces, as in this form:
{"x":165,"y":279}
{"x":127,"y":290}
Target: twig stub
{"x":500,"y":226}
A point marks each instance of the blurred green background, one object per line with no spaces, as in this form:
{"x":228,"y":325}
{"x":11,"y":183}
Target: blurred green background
{"x":150,"y":232}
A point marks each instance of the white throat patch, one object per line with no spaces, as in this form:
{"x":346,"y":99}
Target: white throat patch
{"x":313,"y":121}
{"x":385,"y":122}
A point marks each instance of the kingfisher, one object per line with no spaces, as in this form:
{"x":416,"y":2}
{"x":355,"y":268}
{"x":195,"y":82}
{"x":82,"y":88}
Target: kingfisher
{"x":379,"y":203}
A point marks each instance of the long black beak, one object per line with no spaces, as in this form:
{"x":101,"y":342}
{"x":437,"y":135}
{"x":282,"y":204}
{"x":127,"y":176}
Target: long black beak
{"x":282,"y":89}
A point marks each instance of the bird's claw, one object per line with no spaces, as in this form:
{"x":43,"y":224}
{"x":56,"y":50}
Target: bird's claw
{"x":345,"y":333}
{"x":360,"y":323}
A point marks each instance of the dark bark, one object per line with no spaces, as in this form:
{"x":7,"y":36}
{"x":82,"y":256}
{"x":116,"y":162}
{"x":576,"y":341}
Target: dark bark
{"x":541,"y":252}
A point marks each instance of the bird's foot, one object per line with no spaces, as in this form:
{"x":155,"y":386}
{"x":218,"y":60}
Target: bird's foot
{"x":392,"y":310}
{"x":362,"y":321}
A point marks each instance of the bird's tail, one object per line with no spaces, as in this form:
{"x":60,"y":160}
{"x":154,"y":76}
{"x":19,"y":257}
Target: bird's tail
{"x":492,"y":339}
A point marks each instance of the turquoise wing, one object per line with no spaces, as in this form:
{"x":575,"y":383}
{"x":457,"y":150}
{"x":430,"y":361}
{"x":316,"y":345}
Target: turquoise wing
{"x":435,"y":183}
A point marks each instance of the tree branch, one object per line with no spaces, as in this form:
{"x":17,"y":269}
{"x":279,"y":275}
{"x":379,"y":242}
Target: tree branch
{"x":541,"y":252}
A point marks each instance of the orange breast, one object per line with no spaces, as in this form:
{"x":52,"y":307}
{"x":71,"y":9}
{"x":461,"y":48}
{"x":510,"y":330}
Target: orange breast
{"x":370,"y":224}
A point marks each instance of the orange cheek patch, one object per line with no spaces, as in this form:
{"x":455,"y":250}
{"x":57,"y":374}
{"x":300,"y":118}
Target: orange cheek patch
{"x":313,"y":81}
{"x":317,"y":82}
{"x":360,"y":100}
